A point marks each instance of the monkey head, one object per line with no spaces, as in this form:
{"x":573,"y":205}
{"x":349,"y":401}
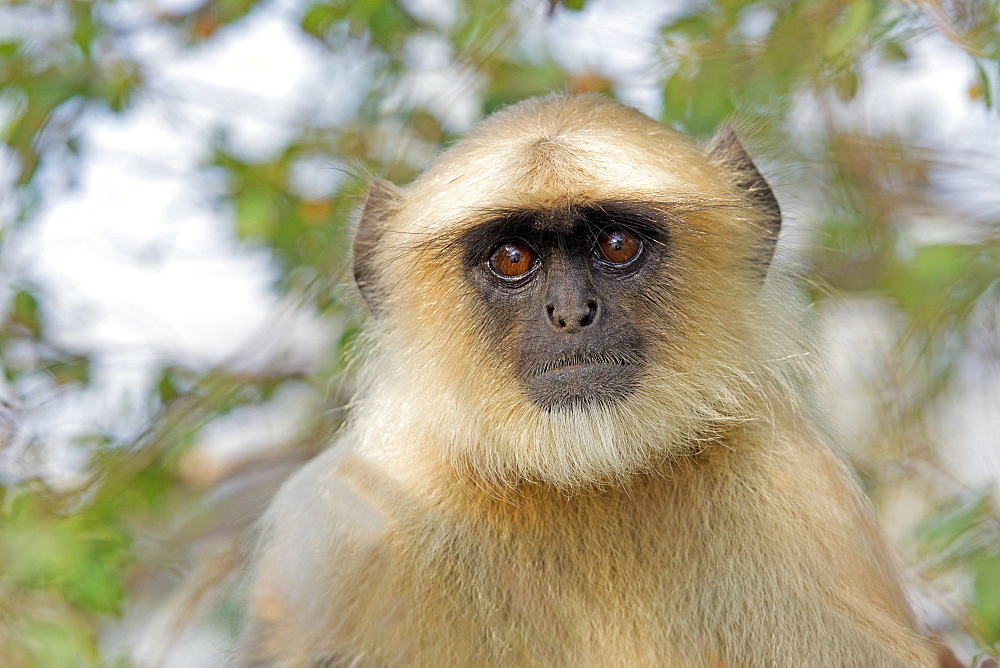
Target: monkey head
{"x":568,"y":295}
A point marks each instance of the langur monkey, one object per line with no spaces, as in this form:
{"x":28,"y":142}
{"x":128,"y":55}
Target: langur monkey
{"x":577,"y":441}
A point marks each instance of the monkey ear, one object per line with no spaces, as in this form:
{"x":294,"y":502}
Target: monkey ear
{"x":726,"y":152}
{"x":380,"y":201}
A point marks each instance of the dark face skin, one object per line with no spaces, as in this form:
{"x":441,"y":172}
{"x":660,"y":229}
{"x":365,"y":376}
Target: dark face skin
{"x":564,"y":290}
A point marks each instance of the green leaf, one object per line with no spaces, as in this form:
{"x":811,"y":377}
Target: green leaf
{"x":96,"y":584}
{"x":943,"y":279}
{"x":849,"y":30}
{"x":80,"y":555}
{"x":25,"y":313}
{"x":389,"y":24}
{"x":84,"y":28}
{"x":9,"y":50}
{"x":256,"y":213}
{"x":846,"y":84}
{"x":953,"y":521}
{"x":118,"y":85}
{"x":894,"y":51}
{"x":986,"y":593}
{"x":75,"y":370}
{"x":321,"y":16}
{"x":166,"y":388}
{"x":694,"y":25}
{"x":676,"y":98}
{"x":514,"y":81}
{"x":711,"y":97}
{"x":983,"y":89}
{"x":232,"y":10}
{"x":65,"y":644}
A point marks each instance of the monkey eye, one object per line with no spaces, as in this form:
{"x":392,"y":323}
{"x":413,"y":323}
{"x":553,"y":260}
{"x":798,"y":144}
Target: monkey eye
{"x":512,"y":259}
{"x":618,"y":246}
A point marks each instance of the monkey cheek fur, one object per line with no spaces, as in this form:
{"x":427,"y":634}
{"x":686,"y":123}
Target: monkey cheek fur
{"x":582,"y":386}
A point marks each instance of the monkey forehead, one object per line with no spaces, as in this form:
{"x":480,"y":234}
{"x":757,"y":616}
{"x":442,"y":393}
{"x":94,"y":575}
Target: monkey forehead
{"x":559,"y":150}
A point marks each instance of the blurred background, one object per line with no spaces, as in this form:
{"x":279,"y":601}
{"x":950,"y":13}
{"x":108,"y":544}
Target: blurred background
{"x":176,"y":183}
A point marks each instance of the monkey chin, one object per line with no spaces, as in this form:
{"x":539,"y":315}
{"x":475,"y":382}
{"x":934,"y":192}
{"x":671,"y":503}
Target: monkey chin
{"x":583,"y":386}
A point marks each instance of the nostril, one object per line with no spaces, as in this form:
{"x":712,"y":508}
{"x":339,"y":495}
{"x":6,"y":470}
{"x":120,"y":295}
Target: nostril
{"x":557,"y":320}
{"x":571,"y":319}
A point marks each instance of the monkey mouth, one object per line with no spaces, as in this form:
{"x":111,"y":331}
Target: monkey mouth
{"x":581,"y":362}
{"x":582,"y":381}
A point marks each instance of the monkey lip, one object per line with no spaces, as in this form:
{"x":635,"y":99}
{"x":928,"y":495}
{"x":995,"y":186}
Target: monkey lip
{"x":583,"y":362}
{"x":569,"y":370}
{"x":581,"y":383}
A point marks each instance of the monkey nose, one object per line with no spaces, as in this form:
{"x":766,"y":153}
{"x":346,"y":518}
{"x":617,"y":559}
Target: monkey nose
{"x":572,"y":318}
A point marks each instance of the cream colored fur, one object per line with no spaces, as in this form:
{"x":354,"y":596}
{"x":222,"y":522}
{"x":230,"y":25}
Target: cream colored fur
{"x":700,"y":522}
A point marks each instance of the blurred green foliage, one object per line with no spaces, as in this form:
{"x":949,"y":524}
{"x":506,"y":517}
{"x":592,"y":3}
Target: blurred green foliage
{"x":963,"y":534}
{"x":73,"y":555}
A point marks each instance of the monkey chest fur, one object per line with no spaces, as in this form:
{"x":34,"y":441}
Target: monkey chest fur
{"x":655,"y":573}
{"x":530,"y":581}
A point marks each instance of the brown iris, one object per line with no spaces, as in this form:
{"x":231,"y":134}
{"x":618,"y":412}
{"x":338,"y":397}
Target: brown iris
{"x":512,"y":259}
{"x":618,"y":246}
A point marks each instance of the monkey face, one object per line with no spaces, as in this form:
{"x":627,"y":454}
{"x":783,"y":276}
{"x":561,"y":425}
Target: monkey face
{"x":568,"y":294}
{"x":560,"y":289}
